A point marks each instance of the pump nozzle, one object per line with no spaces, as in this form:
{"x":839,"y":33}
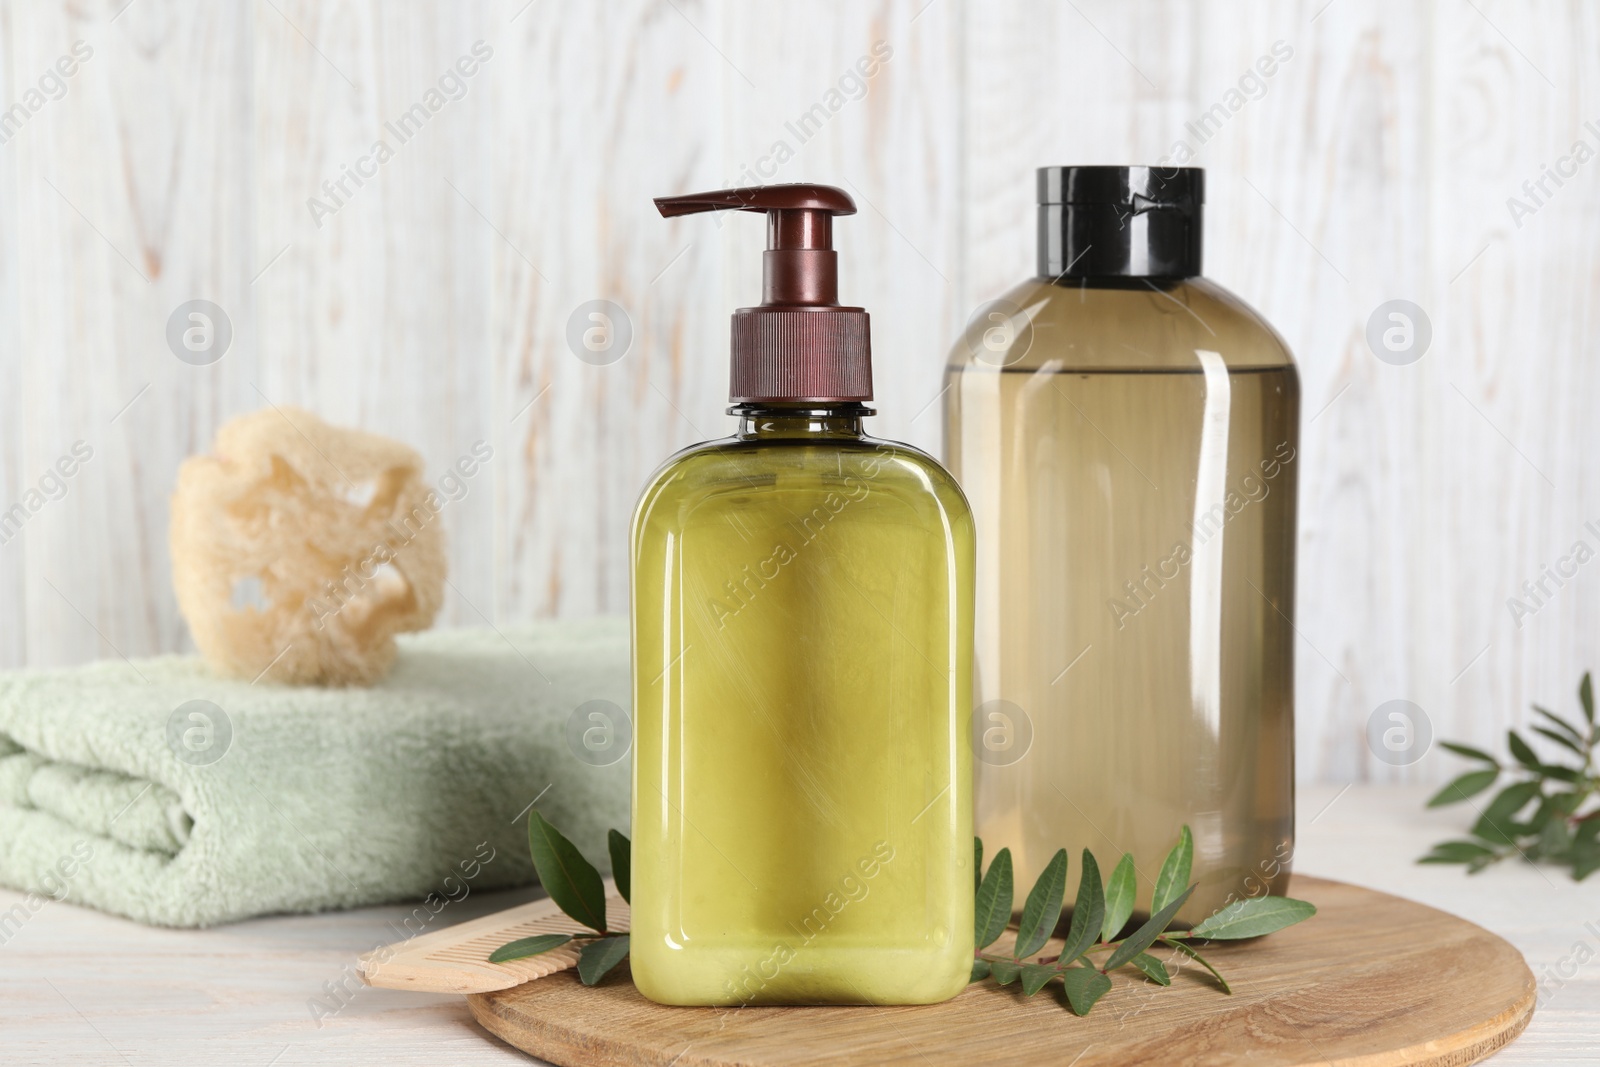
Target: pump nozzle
{"x":798,"y":344}
{"x":826,"y":199}
{"x":800,"y":266}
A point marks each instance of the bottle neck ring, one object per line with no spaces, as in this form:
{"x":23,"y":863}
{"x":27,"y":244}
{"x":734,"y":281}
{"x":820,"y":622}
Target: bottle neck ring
{"x":769,"y":421}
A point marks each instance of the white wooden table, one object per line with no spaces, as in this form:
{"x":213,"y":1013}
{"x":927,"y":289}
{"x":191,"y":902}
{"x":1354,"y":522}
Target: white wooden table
{"x":84,"y":988}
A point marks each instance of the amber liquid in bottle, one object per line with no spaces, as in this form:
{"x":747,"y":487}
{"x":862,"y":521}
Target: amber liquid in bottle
{"x":1131,"y":459}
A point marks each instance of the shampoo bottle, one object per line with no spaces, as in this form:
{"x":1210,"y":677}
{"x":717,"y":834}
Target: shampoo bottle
{"x":1129,"y":434}
{"x":802,"y":634}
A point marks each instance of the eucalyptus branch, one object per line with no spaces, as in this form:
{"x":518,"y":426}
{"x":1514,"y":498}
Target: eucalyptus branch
{"x":1099,"y":915}
{"x":1545,"y":812}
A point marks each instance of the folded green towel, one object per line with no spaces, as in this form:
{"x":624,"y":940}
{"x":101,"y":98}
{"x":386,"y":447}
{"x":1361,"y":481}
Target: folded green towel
{"x":118,"y":793}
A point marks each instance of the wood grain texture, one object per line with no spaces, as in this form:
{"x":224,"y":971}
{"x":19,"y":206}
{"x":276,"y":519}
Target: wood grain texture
{"x":128,"y":203}
{"x":433,"y":305}
{"x":1372,"y":980}
{"x":13,"y":479}
{"x":1512,"y":447}
{"x":600,"y":108}
{"x":378,"y":315}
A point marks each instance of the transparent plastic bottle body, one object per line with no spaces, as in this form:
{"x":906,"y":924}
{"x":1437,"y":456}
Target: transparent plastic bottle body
{"x":1130,"y":450}
{"x":802,"y":827}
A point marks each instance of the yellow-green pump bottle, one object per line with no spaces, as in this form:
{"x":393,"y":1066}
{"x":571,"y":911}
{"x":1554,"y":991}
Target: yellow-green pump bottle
{"x":802,"y":658}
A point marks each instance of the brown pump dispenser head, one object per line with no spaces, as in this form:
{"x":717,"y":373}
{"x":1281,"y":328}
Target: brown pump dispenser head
{"x":798,"y":345}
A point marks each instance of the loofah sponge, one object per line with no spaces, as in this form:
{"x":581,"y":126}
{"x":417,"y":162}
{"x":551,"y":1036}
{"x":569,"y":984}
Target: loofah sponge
{"x":300,"y":549}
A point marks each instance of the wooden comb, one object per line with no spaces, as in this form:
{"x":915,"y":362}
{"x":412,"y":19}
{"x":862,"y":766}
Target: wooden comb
{"x":456,"y":959}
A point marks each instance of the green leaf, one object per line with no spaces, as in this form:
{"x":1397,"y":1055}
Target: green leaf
{"x":1560,"y":724}
{"x":1559,"y":738}
{"x":1035,"y":976}
{"x":977,"y":864}
{"x":1522,"y":750}
{"x":1565,"y":803}
{"x":1085,"y":985}
{"x":1174,"y":874}
{"x":1253,"y":917}
{"x":528,"y":946}
{"x":1087,"y":913}
{"x":1467,"y":785}
{"x":1456,"y":852}
{"x":1493,"y":833}
{"x":571,"y":880}
{"x":993,"y":907}
{"x":1146,"y":935}
{"x":1042,"y":910}
{"x":1201,"y":960}
{"x":980,"y":971}
{"x":1153,"y":968}
{"x":1005,"y":972}
{"x":1555,"y":839}
{"x":598,"y":957}
{"x":1121,"y":888}
{"x":1498,"y":822}
{"x":621,"y":863}
{"x":1469,"y":752}
{"x":1553,"y":772}
{"x":1586,"y":861}
{"x":1586,"y":847}
{"x":1586,"y":697}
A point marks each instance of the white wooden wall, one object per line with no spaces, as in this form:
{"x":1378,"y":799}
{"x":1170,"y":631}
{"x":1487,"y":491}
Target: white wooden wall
{"x":433,"y":305}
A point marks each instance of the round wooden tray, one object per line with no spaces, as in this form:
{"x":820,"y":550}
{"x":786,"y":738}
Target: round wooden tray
{"x":1372,"y":980}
